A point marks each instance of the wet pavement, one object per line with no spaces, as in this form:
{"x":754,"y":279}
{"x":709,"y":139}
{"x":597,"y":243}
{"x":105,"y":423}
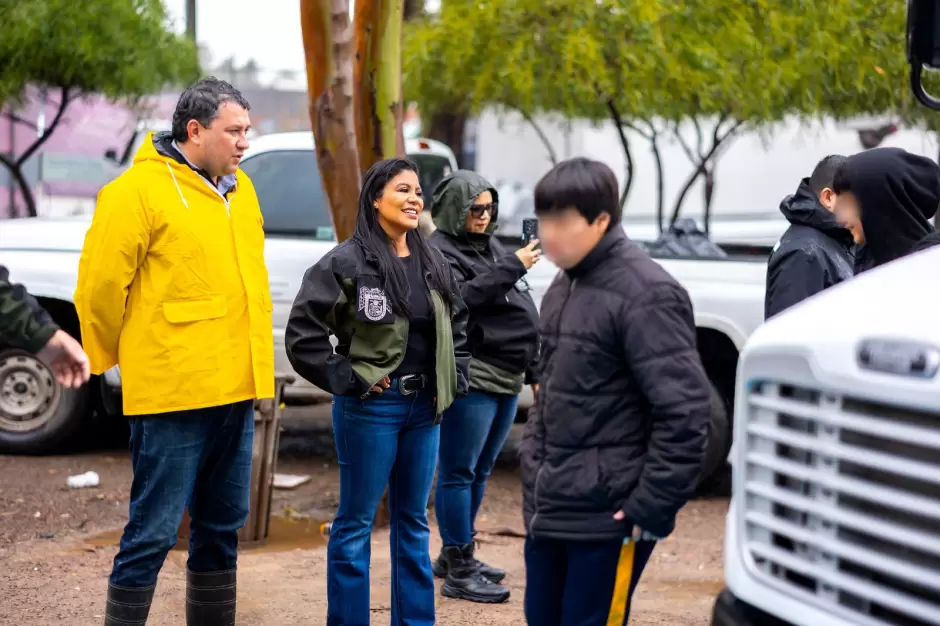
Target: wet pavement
{"x":57,"y":544}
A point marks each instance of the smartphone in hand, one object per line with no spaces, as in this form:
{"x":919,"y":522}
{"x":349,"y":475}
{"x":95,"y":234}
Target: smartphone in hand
{"x":530,"y":230}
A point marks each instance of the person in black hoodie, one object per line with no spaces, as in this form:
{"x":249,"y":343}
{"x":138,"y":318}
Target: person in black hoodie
{"x":502,"y":338}
{"x":815,"y":252}
{"x":886,"y":197}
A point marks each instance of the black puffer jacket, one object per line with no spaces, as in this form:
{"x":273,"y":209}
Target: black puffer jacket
{"x":813,"y":254}
{"x":622,"y":414}
{"x":502,"y":330}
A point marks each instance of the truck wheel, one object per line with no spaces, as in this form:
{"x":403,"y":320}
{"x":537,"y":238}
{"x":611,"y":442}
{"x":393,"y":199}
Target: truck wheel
{"x":37,"y":415}
{"x":716,"y":447}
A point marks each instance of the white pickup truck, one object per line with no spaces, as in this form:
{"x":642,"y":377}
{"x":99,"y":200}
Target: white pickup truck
{"x":36,"y":415}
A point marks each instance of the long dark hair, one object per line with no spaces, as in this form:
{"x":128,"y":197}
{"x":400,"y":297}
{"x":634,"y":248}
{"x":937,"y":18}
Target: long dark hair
{"x":373,"y":241}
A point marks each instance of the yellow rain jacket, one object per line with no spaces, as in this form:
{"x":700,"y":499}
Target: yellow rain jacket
{"x":172,"y":285}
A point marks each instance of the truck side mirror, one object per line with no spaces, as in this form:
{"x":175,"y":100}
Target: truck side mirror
{"x":923,"y":46}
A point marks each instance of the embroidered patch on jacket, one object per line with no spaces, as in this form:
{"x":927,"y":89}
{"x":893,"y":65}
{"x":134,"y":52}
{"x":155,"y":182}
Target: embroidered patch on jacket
{"x":373,"y":303}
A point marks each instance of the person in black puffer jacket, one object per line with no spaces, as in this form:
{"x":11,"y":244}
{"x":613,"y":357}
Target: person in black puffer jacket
{"x":502,"y":338}
{"x":815,"y":252}
{"x":616,"y":442}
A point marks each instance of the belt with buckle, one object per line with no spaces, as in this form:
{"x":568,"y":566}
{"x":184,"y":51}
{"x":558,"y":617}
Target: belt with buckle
{"x":411,"y":383}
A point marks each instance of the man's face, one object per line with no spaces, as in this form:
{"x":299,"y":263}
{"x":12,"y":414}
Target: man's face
{"x":848,"y":214}
{"x":221,"y":145}
{"x":566,"y":237}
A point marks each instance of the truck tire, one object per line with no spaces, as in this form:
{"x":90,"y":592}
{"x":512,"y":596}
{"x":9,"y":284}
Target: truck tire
{"x":37,"y":415}
{"x":718,"y":441}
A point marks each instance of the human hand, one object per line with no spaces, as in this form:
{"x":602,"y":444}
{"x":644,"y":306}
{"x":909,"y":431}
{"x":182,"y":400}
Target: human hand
{"x":535,"y":390}
{"x":529,"y":255}
{"x":382,"y":385}
{"x":66,"y":359}
{"x":637,"y":534}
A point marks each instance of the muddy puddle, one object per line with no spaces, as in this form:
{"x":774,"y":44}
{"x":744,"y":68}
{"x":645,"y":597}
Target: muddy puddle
{"x":284,"y":534}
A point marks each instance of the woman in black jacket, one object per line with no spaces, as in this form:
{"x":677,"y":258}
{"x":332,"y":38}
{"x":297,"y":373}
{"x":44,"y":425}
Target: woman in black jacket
{"x":502,"y":338}
{"x":390,"y":300}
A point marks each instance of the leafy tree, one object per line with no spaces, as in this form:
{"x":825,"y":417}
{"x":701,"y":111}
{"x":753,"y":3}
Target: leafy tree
{"x":715,"y":68}
{"x":115,"y":48}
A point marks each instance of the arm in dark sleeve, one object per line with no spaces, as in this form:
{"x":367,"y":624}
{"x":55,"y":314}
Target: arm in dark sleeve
{"x":794,"y":277}
{"x":532,"y":372}
{"x":307,"y":336}
{"x":458,"y":323}
{"x":23,"y":323}
{"x":492,"y":283}
{"x":659,"y":344}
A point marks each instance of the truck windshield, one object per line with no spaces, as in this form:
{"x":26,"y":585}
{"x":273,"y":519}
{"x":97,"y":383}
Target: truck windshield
{"x":291,"y":194}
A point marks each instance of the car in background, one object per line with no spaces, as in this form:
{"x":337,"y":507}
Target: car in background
{"x":37,"y":415}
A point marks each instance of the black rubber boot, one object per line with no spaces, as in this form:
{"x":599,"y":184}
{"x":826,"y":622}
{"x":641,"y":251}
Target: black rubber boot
{"x":464,"y":580}
{"x":210,"y":598}
{"x":493,"y":574}
{"x":128,"y":606}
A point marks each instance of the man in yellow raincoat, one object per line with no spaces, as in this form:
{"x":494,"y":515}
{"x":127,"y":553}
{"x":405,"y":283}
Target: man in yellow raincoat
{"x":172,"y":286}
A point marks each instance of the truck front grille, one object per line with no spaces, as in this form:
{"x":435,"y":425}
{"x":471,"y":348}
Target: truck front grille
{"x":842,"y":505}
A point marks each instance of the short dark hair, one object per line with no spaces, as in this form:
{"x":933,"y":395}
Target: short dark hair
{"x":201,"y":102}
{"x":842,"y":179}
{"x":588,"y":186}
{"x":824,"y":173}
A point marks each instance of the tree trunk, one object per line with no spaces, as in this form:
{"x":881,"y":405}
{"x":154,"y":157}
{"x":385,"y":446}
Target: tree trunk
{"x":328,"y":48}
{"x":377,"y":76}
{"x":448,"y":127}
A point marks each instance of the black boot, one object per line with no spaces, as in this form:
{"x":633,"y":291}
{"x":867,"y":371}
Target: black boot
{"x":493,"y":574}
{"x":464,"y":580}
{"x":210,"y":598}
{"x":128,"y":606}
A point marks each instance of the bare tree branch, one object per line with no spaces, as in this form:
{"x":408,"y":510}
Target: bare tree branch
{"x":702,"y":168}
{"x":542,"y":136}
{"x":625,"y":143}
{"x":19,"y":120}
{"x":31,"y":150}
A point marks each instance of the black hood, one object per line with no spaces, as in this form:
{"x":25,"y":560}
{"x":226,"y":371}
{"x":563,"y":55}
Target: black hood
{"x":804,"y":209}
{"x":898,"y":192}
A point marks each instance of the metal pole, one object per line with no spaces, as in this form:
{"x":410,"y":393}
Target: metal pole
{"x":191,"y":20}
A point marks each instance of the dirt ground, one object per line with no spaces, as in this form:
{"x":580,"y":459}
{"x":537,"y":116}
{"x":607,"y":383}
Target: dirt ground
{"x":57,"y":545}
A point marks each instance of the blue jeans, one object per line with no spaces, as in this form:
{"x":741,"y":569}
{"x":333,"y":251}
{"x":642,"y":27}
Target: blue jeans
{"x":387,"y":439}
{"x":473,"y":432}
{"x":201,"y":459}
{"x":582,"y":583}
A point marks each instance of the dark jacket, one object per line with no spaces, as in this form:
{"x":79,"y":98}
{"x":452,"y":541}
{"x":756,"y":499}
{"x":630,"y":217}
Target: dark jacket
{"x":813,"y":254}
{"x":622,"y":413}
{"x":23,"y":323}
{"x":342,"y":295}
{"x":502,"y":331}
{"x":931,"y":240}
{"x":897,"y":192}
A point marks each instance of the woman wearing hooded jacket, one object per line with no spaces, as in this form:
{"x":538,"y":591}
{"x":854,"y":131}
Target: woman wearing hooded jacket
{"x":390,"y":300}
{"x":502,"y":338}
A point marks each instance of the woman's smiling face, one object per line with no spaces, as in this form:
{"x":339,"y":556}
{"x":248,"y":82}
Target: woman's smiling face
{"x":400,"y":204}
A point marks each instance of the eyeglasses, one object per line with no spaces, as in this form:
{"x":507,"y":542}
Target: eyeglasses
{"x":477,"y":210}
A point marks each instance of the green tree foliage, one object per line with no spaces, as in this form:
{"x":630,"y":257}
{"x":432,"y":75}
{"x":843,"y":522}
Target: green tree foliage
{"x":718,"y":66}
{"x":121,"y":49}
